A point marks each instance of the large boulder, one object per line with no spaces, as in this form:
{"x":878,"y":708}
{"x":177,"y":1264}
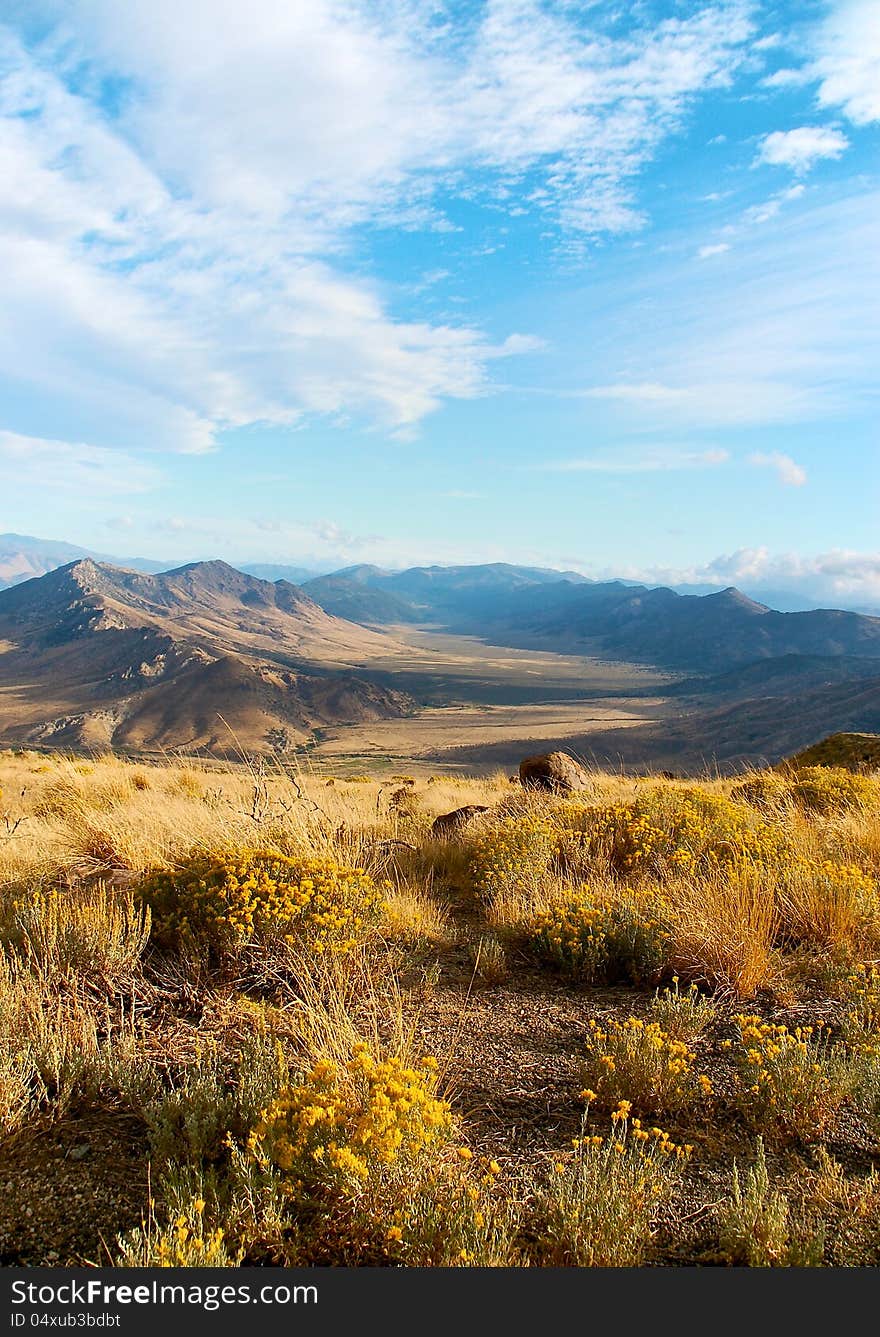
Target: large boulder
{"x":556,"y":771}
{"x":449,"y":822}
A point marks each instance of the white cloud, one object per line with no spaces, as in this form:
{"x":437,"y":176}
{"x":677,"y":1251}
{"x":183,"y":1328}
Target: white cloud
{"x":830,"y":579}
{"x":802,"y":148}
{"x":68,"y":466}
{"x":718,"y":248}
{"x":788,"y":78}
{"x":787,"y":470}
{"x":176,"y":264}
{"x":848,"y":60}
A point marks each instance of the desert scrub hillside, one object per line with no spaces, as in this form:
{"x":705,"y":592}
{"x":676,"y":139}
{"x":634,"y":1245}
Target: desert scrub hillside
{"x":270,"y":1018}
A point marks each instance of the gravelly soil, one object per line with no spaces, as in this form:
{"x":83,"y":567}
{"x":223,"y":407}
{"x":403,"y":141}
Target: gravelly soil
{"x":67,"y":1188}
{"x":511,"y":1055}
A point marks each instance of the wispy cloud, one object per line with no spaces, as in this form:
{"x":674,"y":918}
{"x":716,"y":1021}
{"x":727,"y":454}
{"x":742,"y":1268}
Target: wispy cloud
{"x":640,"y":392}
{"x":783,"y":331}
{"x":716,"y":248}
{"x":770,"y":208}
{"x":68,"y":466}
{"x":848,"y":60}
{"x":787,"y":470}
{"x":630,"y":462}
{"x":174,"y":255}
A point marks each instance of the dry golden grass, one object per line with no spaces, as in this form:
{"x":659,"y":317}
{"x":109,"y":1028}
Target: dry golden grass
{"x":747,"y":897}
{"x":723,"y":931}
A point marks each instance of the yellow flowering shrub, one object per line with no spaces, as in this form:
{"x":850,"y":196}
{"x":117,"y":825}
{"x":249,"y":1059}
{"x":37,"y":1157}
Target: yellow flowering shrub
{"x":513,"y":857}
{"x":827,"y":789}
{"x":860,"y":1030}
{"x":819,"y":789}
{"x":186,"y":1241}
{"x":791,"y":1083}
{"x":638,"y":1063}
{"x":604,"y":936}
{"x":768,"y":790}
{"x":683,"y":1015}
{"x":344,"y":1122}
{"x":232,"y":898}
{"x":674,"y":831}
{"x":598,"y":1206}
{"x":862,"y":1016}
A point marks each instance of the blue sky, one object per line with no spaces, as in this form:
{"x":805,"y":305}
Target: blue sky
{"x":575,"y":283}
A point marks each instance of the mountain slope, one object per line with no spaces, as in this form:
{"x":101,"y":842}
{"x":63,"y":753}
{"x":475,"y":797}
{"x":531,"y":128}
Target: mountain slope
{"x":97,"y":655}
{"x":706,"y":633}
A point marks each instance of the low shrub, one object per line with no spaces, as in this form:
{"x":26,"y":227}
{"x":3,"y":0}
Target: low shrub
{"x":513,"y":859}
{"x":230,"y":899}
{"x":826,"y":904}
{"x":757,"y":1228}
{"x":791,"y":1083}
{"x":610,"y":936}
{"x":812,"y":789}
{"x":683,"y":1016}
{"x":598,"y":1207}
{"x":341,"y":1123}
{"x":637,"y":1062}
{"x":674,"y":831}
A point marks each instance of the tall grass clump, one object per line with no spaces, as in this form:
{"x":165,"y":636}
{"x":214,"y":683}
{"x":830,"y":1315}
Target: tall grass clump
{"x":724,"y":930}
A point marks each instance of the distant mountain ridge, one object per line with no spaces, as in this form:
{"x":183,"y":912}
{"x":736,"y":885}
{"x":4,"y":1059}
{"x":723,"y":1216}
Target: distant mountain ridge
{"x":23,"y":558}
{"x":523,"y":606}
{"x":702,"y":633}
{"x":201,"y":657}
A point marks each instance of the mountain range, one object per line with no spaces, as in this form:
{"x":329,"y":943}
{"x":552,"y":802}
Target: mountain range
{"x":204,"y":656}
{"x":567,"y":613}
{"x":201,"y":657}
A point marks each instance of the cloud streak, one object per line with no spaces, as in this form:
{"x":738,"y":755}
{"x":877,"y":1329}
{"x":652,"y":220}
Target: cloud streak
{"x":627,"y":462}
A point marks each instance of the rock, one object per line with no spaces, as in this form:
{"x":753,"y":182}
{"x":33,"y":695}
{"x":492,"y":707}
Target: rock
{"x":556,"y":771}
{"x":450,"y":822}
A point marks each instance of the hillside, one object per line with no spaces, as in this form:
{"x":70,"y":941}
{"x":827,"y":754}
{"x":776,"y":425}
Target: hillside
{"x":95,"y":655}
{"x":702,"y":633}
{"x":852,"y":751}
{"x":566,"y":613}
{"x":780,"y":676}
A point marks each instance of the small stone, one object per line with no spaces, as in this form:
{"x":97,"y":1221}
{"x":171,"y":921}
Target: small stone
{"x":80,"y":1151}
